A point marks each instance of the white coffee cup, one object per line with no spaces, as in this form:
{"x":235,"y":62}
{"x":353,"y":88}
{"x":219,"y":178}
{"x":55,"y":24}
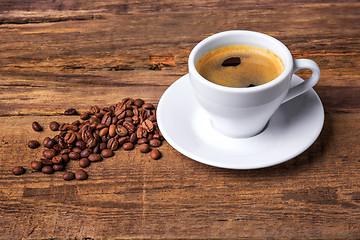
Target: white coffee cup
{"x":244,"y":112}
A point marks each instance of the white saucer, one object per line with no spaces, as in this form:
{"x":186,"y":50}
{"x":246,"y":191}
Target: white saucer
{"x":186,"y":126}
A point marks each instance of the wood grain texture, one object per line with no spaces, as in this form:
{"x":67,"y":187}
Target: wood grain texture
{"x":74,"y":53}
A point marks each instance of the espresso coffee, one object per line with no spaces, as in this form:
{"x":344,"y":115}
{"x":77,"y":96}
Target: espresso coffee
{"x":239,"y":66}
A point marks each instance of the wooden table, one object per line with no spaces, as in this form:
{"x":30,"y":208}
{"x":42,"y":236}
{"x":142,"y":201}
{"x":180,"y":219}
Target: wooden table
{"x":56,"y":55}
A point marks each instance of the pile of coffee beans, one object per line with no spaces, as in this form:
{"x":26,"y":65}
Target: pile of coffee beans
{"x":98,"y":133}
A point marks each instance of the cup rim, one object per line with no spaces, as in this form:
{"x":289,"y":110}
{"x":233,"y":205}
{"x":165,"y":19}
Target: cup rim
{"x":287,"y":70}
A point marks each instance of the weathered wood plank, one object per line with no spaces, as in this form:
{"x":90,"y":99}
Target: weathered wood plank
{"x":60,"y":54}
{"x":132,"y":194}
{"x":121,"y":42}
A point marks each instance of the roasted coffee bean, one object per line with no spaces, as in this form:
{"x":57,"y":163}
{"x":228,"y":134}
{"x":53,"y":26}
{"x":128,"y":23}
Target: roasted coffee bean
{"x":54,"y":126}
{"x":47,"y":169}
{"x":155,"y":143}
{"x":148,"y":113}
{"x":141,"y":133}
{"x":103,"y":132}
{"x":135,"y":120}
{"x":231,"y":62}
{"x":81,"y":174}
{"x":97,"y":137}
{"x":156,"y":129}
{"x":122,"y":115}
{"x":95,"y":157}
{"x":155,"y":154}
{"x":135,"y":111}
{"x":76,"y":149}
{"x":128,"y":119}
{"x":72,"y":127}
{"x":138,"y":102}
{"x":141,"y":119}
{"x":85,"y":116}
{"x":105,"y":139}
{"x":84,"y":162}
{"x":80,"y":144}
{"x":36,"y":126}
{"x":76,"y":123}
{"x":65,"y":151}
{"x":133,"y":138}
{"x":91,"y":143}
{"x":94,"y":109}
{"x":96,"y":131}
{"x":129,"y":113}
{"x":86,"y":135}
{"x":36,"y":165}
{"x":71,"y":111}
{"x":144,"y":148}
{"x":102,"y":146}
{"x":57,"y":138}
{"x":33,"y":144}
{"x":105,"y":110}
{"x":148,"y":125}
{"x":120,"y":112}
{"x":57,"y":159}
{"x":48,"y":142}
{"x":121,"y":130}
{"x":96,"y":149}
{"x":106,"y":153}
{"x":46,"y":162}
{"x":148,"y":106}
{"x":49,"y":153}
{"x":123,"y":140}
{"x":100,"y":126}
{"x":57,"y":147}
{"x":65,"y":157}
{"x":129,"y":126}
{"x":112,"y":144}
{"x":78,"y":135}
{"x":74,"y":155}
{"x":120,"y":122}
{"x":85,"y":153}
{"x":112,"y":131}
{"x":152,"y":118}
{"x":58,"y":167}
{"x":62,"y":144}
{"x":128,"y":146}
{"x":142,"y":140}
{"x":18,"y":170}
{"x":99,"y":115}
{"x":63,"y":132}
{"x":106,"y":119}
{"x":85,"y":126}
{"x":150,"y":136}
{"x":114,"y":120}
{"x":63,"y":127}
{"x":141,"y":112}
{"x":68,"y":176}
{"x":157,"y":136}
{"x":70,"y":137}
{"x":127,"y":101}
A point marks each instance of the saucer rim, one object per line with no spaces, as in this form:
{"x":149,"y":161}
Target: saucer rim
{"x":194,"y":157}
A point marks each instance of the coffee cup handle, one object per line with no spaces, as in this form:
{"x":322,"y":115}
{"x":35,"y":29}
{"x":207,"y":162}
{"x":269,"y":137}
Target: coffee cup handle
{"x":307,"y":84}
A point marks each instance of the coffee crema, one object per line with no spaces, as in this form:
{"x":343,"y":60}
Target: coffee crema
{"x":239,"y":66}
